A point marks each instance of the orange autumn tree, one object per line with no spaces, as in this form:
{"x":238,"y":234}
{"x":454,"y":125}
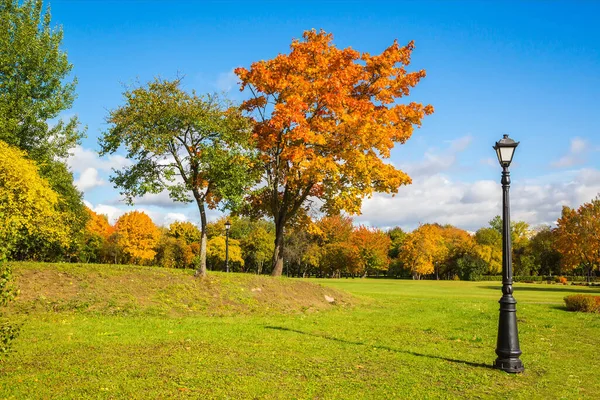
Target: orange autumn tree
{"x":95,"y":237}
{"x":578,"y":237}
{"x":337,"y":252}
{"x":98,"y":224}
{"x":372,"y":246}
{"x":137,"y":236}
{"x":325,"y":120}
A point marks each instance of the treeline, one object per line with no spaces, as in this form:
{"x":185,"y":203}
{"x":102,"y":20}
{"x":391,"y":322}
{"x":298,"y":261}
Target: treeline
{"x":33,"y":216}
{"x":333,"y":246}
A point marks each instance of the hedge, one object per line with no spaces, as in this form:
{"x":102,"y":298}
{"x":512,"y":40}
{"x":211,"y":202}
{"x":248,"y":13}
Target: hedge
{"x":583,"y":302}
{"x":538,"y":278}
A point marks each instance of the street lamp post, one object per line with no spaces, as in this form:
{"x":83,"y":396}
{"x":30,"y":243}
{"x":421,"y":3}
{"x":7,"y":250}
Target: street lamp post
{"x":507,"y":347}
{"x":227,"y":227}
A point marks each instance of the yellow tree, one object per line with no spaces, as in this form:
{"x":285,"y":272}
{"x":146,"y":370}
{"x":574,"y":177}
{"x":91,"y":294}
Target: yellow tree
{"x":458,"y":243}
{"x":489,"y":248}
{"x":137,"y":236}
{"x":337,"y":253}
{"x":186,"y":231}
{"x":578,"y":236}
{"x":216,"y":252}
{"x":29,"y":214}
{"x":325,"y":120}
{"x":422,"y":249}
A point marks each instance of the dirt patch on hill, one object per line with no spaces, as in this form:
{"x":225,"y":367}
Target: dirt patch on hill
{"x":109,"y":289}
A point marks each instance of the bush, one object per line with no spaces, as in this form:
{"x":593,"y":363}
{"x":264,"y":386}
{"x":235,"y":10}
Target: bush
{"x":583,"y":279}
{"x":490,"y":278}
{"x":561,"y":280}
{"x":583,"y":302}
{"x":471,"y":268}
{"x":8,"y":292}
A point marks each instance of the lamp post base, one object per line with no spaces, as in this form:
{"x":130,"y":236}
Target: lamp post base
{"x":507,"y":349}
{"x":510,"y":365}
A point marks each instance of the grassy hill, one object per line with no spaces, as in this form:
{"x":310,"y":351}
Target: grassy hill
{"x":131,"y":290}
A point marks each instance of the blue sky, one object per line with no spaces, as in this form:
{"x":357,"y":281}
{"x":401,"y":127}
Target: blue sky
{"x":530,"y":69}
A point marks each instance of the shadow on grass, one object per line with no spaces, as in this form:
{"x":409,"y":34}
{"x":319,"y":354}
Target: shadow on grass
{"x":561,"y":308}
{"x":549,"y":288}
{"x":413,"y":353}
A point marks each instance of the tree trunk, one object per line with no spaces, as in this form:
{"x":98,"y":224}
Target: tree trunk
{"x":278,"y":252}
{"x":201,"y":271}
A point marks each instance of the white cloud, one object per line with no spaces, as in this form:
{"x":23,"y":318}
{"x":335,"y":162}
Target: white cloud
{"x":82,"y":158}
{"x":460,"y":144}
{"x":436,"y":160}
{"x":159,"y":217}
{"x":88,"y":179}
{"x":161,"y":199}
{"x":226,"y":81}
{"x":491,"y":162}
{"x":172,"y":217}
{"x":113,"y":213}
{"x":575,"y":156}
{"x":471,"y":205}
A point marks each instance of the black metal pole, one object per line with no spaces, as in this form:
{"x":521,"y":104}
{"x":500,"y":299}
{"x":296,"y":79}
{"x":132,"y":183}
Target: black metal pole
{"x":507,"y":348}
{"x":227,"y":250}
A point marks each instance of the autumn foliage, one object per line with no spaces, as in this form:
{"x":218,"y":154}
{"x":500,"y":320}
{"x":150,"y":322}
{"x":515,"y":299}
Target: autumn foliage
{"x":30,"y":219}
{"x":98,"y":224}
{"x":325,"y":119}
{"x":137,"y":236}
{"x":578,"y":236}
{"x":423,"y":249}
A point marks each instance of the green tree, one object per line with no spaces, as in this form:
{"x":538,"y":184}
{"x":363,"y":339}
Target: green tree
{"x":257,"y":247}
{"x":33,"y":82}
{"x":34,"y":89}
{"x":193,"y":147}
{"x":397,"y":237}
{"x":8,"y":330}
{"x":543,"y":250}
{"x":496,"y":224}
{"x":186,"y":231}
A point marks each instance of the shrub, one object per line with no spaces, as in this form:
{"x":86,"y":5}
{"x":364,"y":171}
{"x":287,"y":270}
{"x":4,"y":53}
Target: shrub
{"x":490,"y":278}
{"x":471,"y":268}
{"x":561,"y":280}
{"x":8,"y":292}
{"x":583,"y":302}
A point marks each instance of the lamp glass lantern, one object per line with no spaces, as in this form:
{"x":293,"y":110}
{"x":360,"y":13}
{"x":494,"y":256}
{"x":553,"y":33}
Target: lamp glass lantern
{"x":505,"y":149}
{"x":227,"y":226}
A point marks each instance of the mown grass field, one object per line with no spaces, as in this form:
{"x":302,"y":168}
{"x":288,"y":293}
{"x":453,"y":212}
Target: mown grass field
{"x":107,"y":332}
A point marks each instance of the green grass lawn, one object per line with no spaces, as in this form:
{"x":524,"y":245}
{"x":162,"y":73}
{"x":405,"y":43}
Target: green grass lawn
{"x":396,"y":339}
